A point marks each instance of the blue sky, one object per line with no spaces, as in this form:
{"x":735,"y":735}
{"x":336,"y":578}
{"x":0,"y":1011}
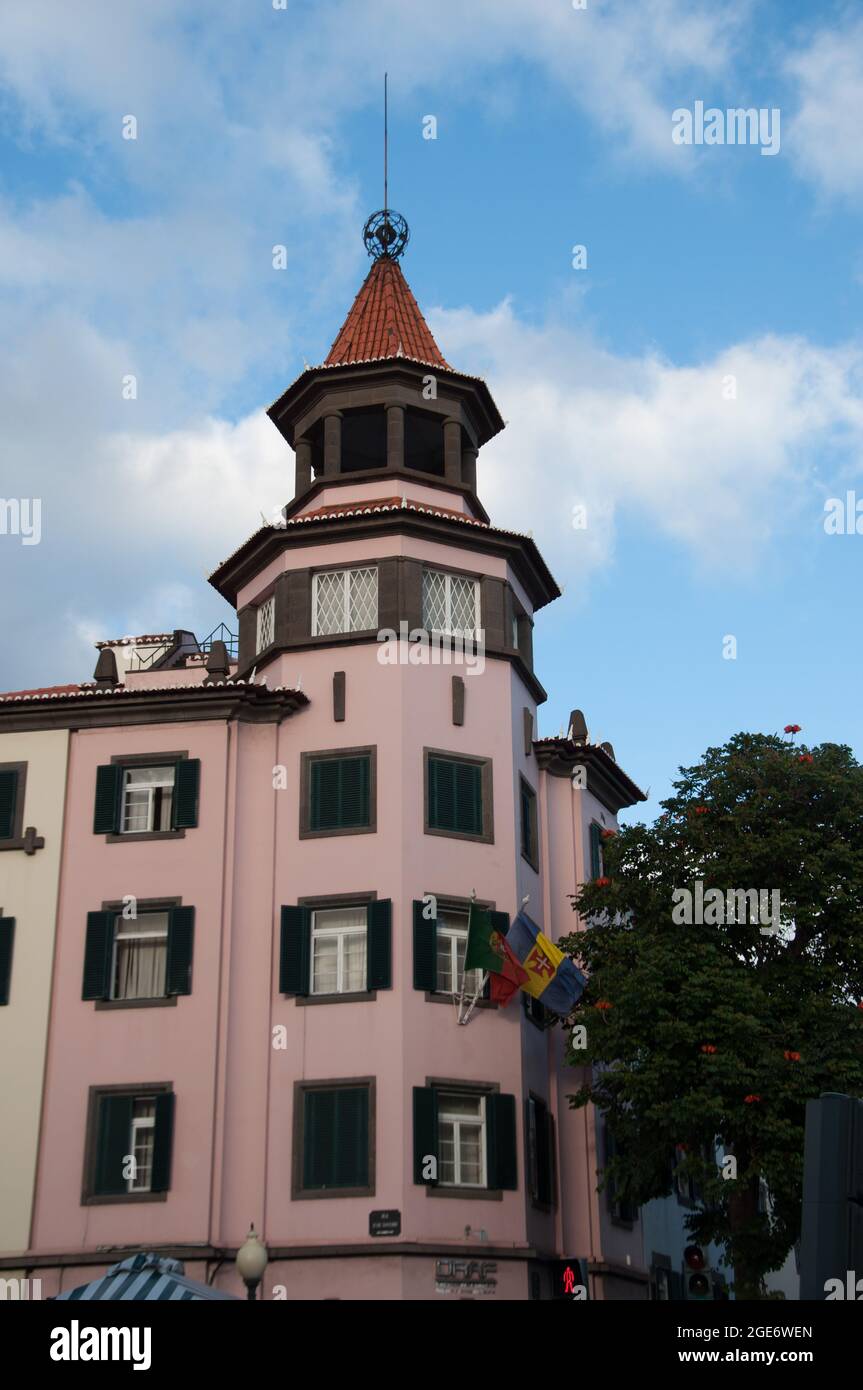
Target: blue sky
{"x":259,"y":127}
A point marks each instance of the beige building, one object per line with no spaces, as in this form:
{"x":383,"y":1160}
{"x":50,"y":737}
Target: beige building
{"x":32,"y":796}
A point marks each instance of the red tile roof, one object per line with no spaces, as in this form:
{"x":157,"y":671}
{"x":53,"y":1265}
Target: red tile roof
{"x":42,"y":690}
{"x":378,"y":504}
{"x":385,"y":321}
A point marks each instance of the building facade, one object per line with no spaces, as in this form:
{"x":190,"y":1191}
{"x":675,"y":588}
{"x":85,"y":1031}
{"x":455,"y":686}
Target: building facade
{"x":267,"y":864}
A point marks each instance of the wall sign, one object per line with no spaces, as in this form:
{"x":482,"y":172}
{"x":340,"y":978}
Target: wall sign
{"x":385,"y":1223}
{"x":465,"y":1276}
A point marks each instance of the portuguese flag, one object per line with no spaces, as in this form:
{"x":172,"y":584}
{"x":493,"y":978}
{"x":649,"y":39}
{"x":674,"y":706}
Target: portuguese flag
{"x":488,"y":950}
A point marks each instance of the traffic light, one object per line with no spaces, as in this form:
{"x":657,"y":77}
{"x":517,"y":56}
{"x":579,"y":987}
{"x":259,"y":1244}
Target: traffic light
{"x":697,"y":1284}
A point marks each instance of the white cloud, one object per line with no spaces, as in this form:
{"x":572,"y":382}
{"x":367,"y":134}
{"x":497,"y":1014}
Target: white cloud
{"x":660,"y":443}
{"x":824,"y":134}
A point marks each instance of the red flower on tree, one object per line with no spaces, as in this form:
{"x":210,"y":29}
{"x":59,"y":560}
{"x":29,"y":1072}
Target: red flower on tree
{"x":708,"y":1047}
{"x":602,"y":1004}
{"x":751,"y":1100}
{"x":701,"y":810}
{"x":805,"y":758}
{"x":791,"y":1056}
{"x":602,"y":882}
{"x":608,"y":834}
{"x":791,"y":729}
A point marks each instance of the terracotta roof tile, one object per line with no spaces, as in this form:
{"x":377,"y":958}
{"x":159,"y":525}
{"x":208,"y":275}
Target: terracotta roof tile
{"x":385,"y":321}
{"x":41,"y":690}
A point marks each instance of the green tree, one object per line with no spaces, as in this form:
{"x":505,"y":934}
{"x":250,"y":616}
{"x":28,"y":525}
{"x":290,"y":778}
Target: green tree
{"x":717,"y":1033}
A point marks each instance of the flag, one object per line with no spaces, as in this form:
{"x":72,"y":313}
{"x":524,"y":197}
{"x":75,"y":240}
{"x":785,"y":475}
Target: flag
{"x":510,"y":980}
{"x":487,"y":950}
{"x":551,"y":976}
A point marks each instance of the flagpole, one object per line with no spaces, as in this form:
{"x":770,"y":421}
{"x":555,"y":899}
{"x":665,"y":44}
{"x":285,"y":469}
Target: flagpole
{"x":472,"y":1004}
{"x":464,"y":972}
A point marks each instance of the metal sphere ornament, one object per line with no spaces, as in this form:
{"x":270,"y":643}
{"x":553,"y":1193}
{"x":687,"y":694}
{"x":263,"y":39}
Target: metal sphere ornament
{"x":386,"y":234}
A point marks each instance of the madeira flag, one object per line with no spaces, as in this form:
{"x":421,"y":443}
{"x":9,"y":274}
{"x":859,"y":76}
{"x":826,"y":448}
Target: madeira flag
{"x":551,"y":976}
{"x":487,"y":949}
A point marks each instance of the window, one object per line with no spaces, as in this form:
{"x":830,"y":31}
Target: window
{"x":596,"y":858}
{"x":450,"y":603}
{"x":333,"y":949}
{"x":623,"y":1212}
{"x":334,"y":1139}
{"x":339,"y":950}
{"x":461,"y":1154}
{"x":265,"y":631}
{"x":469,"y":1133}
{"x":129,"y":1143}
{"x":344,"y":601}
{"x":458,"y":796}
{"x":141,"y":1148}
{"x":337,"y":792}
{"x":7,"y":942}
{"x":138,"y":958}
{"x":13,"y":780}
{"x":540,"y":1152}
{"x":451,"y":937}
{"x":146,"y":795}
{"x":529,"y":838}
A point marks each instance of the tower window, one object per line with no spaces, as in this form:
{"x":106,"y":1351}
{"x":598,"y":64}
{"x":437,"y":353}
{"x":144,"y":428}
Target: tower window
{"x":450,"y":603}
{"x":266,"y":617}
{"x":364,"y":439}
{"x":344,"y":601}
{"x":424,"y":448}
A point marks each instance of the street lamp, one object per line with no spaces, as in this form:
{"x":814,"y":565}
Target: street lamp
{"x":252,"y":1261}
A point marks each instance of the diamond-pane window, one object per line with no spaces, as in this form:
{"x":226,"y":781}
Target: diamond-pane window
{"x":345,"y":601}
{"x":266,"y":615}
{"x":450,"y":603}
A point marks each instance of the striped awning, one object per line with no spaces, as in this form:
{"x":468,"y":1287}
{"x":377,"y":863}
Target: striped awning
{"x":145,"y":1277}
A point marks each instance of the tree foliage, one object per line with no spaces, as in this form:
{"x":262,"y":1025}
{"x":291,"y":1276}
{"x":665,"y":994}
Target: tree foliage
{"x":702,"y":1035}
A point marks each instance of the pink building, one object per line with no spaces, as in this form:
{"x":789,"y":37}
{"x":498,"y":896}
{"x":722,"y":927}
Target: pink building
{"x":267,"y":864}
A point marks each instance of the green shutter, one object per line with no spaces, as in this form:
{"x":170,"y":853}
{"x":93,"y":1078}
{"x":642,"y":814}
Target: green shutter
{"x":425,"y":1131}
{"x":109,"y":782}
{"x":352,"y":1137}
{"x":340,"y":793}
{"x":454,"y":796}
{"x":8,"y":799}
{"x":319,"y":1129}
{"x":181,"y":934}
{"x":379,"y":945}
{"x":97,"y":955}
{"x":544,"y":1123}
{"x":7,"y":941}
{"x":113,"y":1144}
{"x":163,"y":1142}
{"x":500,"y":1142}
{"x":336,"y":1138}
{"x":425,"y":949}
{"x":187,"y":780}
{"x":595,"y":851}
{"x":294,"y":951}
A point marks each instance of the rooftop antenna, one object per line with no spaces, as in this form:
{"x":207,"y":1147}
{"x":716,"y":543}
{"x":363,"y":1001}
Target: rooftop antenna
{"x":386,"y":233}
{"x":386,"y":146}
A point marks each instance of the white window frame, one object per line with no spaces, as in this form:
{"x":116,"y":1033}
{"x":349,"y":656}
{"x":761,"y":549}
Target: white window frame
{"x":341,"y":933}
{"x":140,"y":1122}
{"x":457,"y":1121}
{"x":344,"y":576}
{"x":454,"y":934}
{"x":170,"y":771}
{"x":449,"y":630}
{"x":266,"y":623}
{"x":137,"y":934}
